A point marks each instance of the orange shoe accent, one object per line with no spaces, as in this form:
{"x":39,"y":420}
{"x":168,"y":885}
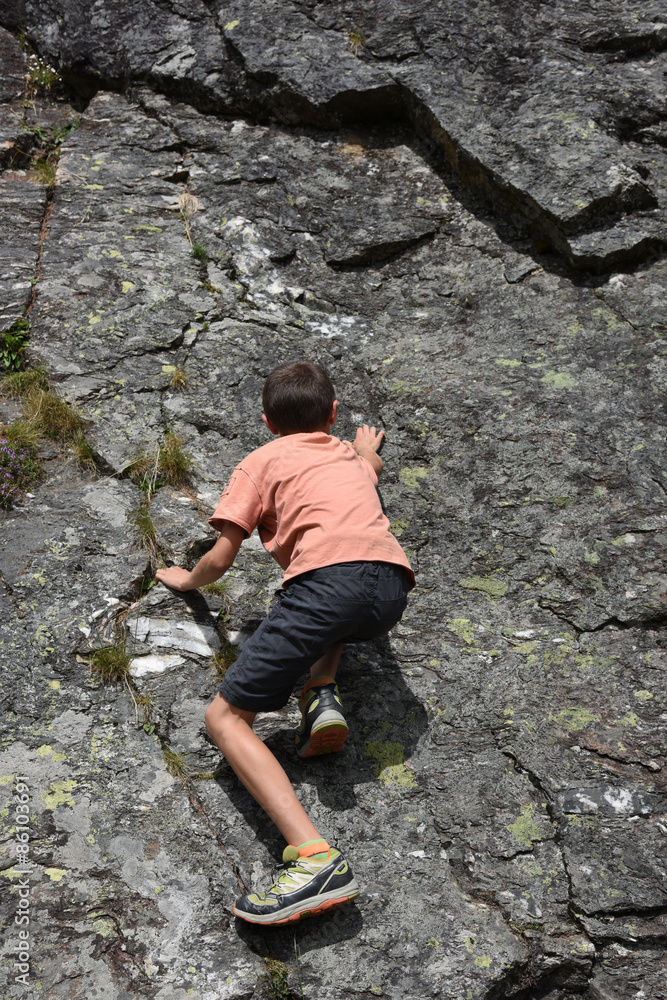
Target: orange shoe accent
{"x":328,"y":904}
{"x":316,"y":682}
{"x":327,"y":739}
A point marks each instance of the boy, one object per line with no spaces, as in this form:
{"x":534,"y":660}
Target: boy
{"x":313,"y":500}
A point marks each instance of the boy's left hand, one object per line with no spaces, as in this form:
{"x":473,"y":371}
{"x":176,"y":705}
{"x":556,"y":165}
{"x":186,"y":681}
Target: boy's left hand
{"x":367,"y":439}
{"x":175,"y":578}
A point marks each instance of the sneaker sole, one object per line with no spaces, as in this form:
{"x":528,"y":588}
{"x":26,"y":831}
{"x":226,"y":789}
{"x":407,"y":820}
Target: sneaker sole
{"x":292,"y":914}
{"x":328,"y":738}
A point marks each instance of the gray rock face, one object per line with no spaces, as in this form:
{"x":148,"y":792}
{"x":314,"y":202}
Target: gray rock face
{"x":459,"y":212}
{"x":554,"y":116}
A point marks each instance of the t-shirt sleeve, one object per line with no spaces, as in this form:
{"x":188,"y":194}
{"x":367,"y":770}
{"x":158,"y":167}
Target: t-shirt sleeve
{"x":239,"y":503}
{"x":369,"y":470}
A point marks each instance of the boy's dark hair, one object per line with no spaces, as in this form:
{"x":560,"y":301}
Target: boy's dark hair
{"x":298,"y":397}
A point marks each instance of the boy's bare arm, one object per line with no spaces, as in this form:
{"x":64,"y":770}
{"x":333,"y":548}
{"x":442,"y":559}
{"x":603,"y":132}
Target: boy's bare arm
{"x":210,"y":567}
{"x":366,"y":443}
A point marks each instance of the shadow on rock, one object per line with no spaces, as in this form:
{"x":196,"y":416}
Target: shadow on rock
{"x":279,"y":942}
{"x":386,"y":722}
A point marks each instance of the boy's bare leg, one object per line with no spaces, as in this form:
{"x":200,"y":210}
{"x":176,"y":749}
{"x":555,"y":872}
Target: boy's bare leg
{"x":230,"y":729}
{"x":327,"y":665}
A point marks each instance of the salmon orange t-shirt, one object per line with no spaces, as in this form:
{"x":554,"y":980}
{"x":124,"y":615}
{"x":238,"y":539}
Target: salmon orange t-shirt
{"x":314,"y":503}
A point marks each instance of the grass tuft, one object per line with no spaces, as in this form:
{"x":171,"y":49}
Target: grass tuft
{"x":18,"y":384}
{"x":45,"y":171}
{"x":22,"y":433}
{"x":222,"y":660}
{"x":219,"y":588}
{"x":175,"y":764}
{"x":52,"y":416}
{"x":111,"y":663}
{"x":174,"y":463}
{"x":141,"y":519}
{"x":171,"y":462}
{"x":199,"y":252}
{"x":85,"y":456}
{"x":179,"y":379}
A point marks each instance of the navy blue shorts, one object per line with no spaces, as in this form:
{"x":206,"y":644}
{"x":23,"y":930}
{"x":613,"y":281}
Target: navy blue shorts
{"x":348,"y":602}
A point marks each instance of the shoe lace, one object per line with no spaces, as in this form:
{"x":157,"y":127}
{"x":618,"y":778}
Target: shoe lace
{"x":282,"y":870}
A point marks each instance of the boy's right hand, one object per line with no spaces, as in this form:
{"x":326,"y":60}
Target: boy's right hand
{"x":175,"y":578}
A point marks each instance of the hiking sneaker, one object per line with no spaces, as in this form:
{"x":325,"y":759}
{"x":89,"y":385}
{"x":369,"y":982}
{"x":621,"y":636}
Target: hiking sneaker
{"x":323,"y":728}
{"x":305,"y":887}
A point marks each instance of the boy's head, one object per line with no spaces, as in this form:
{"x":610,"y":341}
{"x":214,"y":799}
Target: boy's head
{"x":298,"y":397}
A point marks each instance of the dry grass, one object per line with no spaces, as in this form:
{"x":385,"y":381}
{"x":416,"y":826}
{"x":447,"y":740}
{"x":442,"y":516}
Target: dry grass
{"x":175,"y":763}
{"x":18,"y":384}
{"x":179,"y":379}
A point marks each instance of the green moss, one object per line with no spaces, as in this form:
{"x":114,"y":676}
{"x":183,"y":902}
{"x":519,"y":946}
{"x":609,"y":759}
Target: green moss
{"x":574,"y":719}
{"x":59,"y":794}
{"x":390,"y":767}
{"x":462,"y":627}
{"x":560,"y":380}
{"x":524,"y":829}
{"x":626,"y":539}
{"x":487,"y":584}
{"x":525,"y":648}
{"x":398,"y":527}
{"x":412,"y":476}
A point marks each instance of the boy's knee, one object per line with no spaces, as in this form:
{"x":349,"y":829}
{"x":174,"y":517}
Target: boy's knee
{"x":215,"y":713}
{"x":220,"y":714}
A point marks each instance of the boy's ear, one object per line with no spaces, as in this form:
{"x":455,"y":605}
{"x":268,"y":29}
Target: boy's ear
{"x":269,"y":423}
{"x":334,"y":413}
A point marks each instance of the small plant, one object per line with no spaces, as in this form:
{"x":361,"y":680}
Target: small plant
{"x":12,"y":343}
{"x":145,"y":703}
{"x":174,"y":463}
{"x":18,"y":470}
{"x":199,"y":252}
{"x":41,"y":75}
{"x":85,"y":456}
{"x":143,"y":522}
{"x":19,"y":384}
{"x":179,"y":378}
{"x":111,"y":663}
{"x":276,"y":979}
{"x":45,"y":171}
{"x":52,"y":416}
{"x":219,"y":588}
{"x":22,"y":434}
{"x":187,"y":206}
{"x":222,"y":660}
{"x":356,"y":40}
{"x":175,"y":764}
